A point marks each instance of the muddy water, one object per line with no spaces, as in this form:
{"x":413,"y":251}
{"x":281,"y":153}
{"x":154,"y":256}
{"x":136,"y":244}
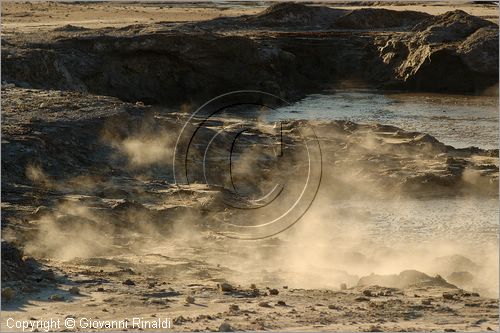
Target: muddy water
{"x":457,"y":120}
{"x":460,"y":121}
{"x":463,"y":220}
{"x":467,"y":225}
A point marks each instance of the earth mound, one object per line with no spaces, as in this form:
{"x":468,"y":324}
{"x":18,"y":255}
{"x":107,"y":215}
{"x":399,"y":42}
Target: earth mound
{"x":450,"y":26}
{"x":157,"y":64}
{"x":370,"y":18}
{"x":405,"y":279}
{"x":452,"y":52}
{"x":296,"y":14}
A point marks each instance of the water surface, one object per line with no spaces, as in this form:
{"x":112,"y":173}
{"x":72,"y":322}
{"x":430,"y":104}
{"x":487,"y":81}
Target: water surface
{"x":457,"y":120}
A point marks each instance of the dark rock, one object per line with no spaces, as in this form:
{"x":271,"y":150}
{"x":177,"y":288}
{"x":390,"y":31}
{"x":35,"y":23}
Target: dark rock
{"x":273,"y":292}
{"x":129,"y":282}
{"x":13,"y":266}
{"x":70,"y":28}
{"x":8,"y":294}
{"x":472,"y":305}
{"x":264,"y":304}
{"x":449,"y":296}
{"x":74,"y":290}
{"x":225,"y":327}
{"x":179,"y":320}
{"x":225,"y":287}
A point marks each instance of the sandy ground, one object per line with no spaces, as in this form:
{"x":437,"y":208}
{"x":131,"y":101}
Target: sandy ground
{"x":189,"y":294}
{"x":47,"y":15}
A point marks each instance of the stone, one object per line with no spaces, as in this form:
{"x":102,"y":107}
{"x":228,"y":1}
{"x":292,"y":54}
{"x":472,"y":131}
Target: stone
{"x":367,"y":293}
{"x":129,"y":282}
{"x":74,"y":290}
{"x":264,"y":304}
{"x":8,"y":294}
{"x":449,"y":296}
{"x":56,"y":298}
{"x":225,"y":327}
{"x":225,"y":287}
{"x":273,"y":292}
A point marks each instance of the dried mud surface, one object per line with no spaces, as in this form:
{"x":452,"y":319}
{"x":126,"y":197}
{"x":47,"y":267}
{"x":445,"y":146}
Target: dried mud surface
{"x":93,"y":225}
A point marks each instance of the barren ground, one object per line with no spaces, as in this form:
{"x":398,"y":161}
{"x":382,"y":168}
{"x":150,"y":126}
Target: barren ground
{"x":48,"y":15}
{"x":87,"y":195}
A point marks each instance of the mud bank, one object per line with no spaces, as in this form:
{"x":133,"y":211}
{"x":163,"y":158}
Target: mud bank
{"x":288,"y":49}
